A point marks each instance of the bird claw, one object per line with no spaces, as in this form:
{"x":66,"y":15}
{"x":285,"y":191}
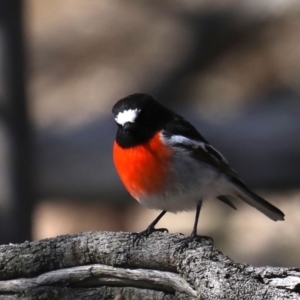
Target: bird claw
{"x":183,"y":243}
{"x":138,"y":236}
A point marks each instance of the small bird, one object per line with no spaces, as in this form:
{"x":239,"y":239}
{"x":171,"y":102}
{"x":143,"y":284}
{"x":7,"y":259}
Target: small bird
{"x":166,"y":164}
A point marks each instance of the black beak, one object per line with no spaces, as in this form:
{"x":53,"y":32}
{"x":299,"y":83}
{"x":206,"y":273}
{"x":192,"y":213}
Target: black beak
{"x":128,"y":126}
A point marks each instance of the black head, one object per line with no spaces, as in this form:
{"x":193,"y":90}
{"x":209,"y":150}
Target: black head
{"x":139,"y":117}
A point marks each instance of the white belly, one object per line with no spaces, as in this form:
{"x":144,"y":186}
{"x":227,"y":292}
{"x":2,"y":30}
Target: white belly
{"x":189,"y":183}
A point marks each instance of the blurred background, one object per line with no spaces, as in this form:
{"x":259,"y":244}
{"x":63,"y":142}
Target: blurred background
{"x":230,"y":67}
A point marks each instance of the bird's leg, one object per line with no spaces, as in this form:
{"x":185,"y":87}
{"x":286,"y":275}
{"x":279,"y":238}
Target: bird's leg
{"x":183,"y":243}
{"x":143,"y":234}
{"x":194,"y":232}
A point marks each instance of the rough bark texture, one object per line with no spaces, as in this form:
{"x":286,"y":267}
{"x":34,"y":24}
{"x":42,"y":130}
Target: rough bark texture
{"x":101,"y":265}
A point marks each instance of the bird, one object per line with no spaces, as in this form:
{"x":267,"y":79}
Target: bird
{"x":167,"y":165}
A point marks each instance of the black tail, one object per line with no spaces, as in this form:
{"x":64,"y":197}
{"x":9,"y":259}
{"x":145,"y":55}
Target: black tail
{"x":256,"y":201}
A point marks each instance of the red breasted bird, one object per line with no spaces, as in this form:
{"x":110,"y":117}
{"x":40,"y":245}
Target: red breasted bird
{"x":166,"y":164}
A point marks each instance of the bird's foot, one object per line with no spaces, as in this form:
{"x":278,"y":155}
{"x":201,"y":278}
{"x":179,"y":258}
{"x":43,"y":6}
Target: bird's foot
{"x":183,"y":243}
{"x":140,"y":236}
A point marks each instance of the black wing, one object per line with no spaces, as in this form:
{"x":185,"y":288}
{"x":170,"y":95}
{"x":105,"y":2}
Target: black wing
{"x":179,"y":126}
{"x":196,"y":144}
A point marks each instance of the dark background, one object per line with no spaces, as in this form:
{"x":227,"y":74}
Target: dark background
{"x":230,"y":67}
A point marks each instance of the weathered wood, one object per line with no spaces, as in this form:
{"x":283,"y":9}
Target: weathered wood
{"x":99,"y":265}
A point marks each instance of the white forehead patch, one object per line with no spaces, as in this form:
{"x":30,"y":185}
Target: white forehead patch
{"x":126,"y":116}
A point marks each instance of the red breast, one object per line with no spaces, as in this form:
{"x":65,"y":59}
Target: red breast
{"x":143,"y":168}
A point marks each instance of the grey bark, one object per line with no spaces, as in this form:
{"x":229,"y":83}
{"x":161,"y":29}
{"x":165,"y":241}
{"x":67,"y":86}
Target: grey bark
{"x":101,"y":265}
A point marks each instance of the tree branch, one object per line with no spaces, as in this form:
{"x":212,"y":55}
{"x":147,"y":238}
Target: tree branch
{"x":100,"y":265}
